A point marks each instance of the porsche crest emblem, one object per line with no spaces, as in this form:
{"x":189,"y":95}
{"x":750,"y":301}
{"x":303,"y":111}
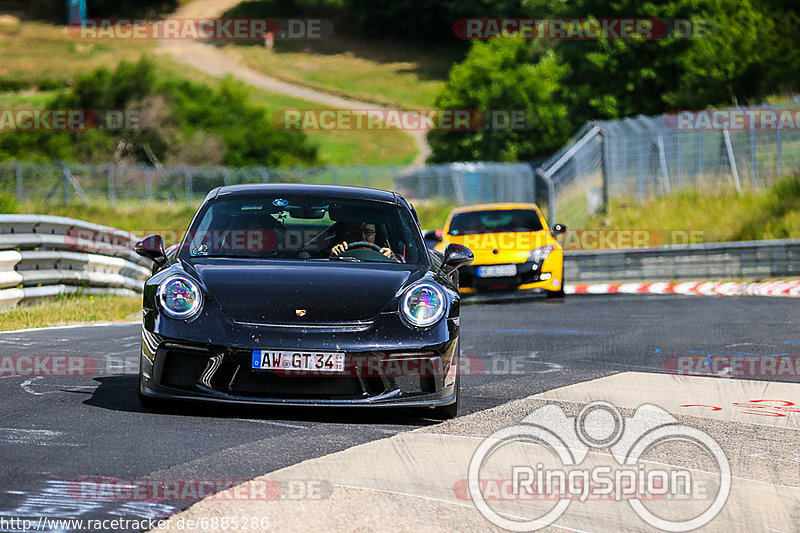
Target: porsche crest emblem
{"x":300,"y":312}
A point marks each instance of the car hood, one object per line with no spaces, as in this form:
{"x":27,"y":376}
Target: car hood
{"x":279,"y":292}
{"x":501,"y":247}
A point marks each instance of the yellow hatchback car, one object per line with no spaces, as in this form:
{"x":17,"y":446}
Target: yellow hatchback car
{"x":513,"y":248}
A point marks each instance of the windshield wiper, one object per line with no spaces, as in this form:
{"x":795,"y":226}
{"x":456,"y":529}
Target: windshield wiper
{"x":346,"y":258}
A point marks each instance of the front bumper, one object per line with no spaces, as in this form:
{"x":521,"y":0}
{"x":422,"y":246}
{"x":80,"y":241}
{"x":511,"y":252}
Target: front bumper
{"x":390,"y":375}
{"x":529,"y":276}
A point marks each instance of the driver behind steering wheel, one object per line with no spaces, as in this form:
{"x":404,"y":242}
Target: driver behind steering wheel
{"x":360,"y":232}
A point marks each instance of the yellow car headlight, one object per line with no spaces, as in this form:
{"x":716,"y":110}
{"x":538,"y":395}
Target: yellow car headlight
{"x":540,"y":254}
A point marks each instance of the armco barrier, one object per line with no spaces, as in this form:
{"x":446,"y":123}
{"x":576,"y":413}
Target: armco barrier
{"x":43,"y":256}
{"x":730,"y":260}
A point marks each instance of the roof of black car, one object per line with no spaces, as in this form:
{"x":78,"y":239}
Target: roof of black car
{"x":333,"y":191}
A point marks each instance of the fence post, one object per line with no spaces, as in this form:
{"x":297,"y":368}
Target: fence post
{"x":188,"y":183}
{"x":18,"y":173}
{"x":699,"y":175}
{"x":640,"y":168}
{"x":731,"y":160}
{"x":264,"y":174}
{"x":112,"y":193}
{"x":605,"y":166}
{"x":148,"y":184}
{"x":552,"y":214}
{"x":752,"y":157}
{"x":679,"y":161}
{"x":64,"y":183}
{"x":779,"y":163}
{"x":395,"y":177}
{"x":662,"y":161}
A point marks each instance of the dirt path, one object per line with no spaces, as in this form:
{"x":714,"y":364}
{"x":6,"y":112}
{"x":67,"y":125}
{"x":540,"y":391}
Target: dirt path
{"x":207,"y":58}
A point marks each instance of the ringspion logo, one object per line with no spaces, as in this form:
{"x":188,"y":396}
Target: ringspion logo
{"x":545,"y":462}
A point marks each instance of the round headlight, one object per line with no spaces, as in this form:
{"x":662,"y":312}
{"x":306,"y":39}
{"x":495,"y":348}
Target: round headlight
{"x":180,"y":297}
{"x":423,"y":305}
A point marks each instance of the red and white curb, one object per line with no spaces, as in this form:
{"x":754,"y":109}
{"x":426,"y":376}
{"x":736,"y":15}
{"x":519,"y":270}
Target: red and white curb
{"x":701,"y":288}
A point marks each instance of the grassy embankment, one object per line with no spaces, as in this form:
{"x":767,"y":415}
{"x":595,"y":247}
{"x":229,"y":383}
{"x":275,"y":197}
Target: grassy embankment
{"x":389,"y":73}
{"x":38,"y":60}
{"x":752,"y":215}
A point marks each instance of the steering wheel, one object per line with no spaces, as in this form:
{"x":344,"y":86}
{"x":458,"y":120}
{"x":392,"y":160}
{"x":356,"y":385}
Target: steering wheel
{"x":366,"y":251}
{"x":364,"y":244}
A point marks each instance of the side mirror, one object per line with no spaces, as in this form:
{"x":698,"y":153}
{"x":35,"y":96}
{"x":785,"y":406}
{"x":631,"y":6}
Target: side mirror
{"x":558,"y":229}
{"x":434,"y":235}
{"x":152,"y":247}
{"x":455,"y":257}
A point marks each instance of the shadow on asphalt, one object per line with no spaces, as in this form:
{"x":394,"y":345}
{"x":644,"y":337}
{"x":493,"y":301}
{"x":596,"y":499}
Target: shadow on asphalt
{"x":119,"y":393}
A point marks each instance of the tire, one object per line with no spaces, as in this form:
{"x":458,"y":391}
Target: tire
{"x":447,"y":412}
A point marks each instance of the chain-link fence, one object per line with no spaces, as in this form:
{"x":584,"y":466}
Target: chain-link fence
{"x":649,"y":156}
{"x":635,"y":157}
{"x":470,"y":183}
{"x":457,"y":183}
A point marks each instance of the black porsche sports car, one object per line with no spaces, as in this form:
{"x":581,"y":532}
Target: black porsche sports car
{"x":302,"y":295}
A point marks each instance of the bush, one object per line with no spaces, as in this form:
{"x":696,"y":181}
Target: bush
{"x":178,"y":121}
{"x":8,"y":204}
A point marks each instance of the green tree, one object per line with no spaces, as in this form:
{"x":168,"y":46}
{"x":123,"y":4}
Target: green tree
{"x":748,"y":52}
{"x":504,"y":75}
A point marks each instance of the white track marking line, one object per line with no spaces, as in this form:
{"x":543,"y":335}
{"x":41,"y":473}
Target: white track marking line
{"x":449,"y":502}
{"x":73,"y":326}
{"x":39,"y":437}
{"x":26,"y":386}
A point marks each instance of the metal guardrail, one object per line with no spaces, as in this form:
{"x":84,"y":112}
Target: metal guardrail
{"x":43,"y":256}
{"x":730,"y":260}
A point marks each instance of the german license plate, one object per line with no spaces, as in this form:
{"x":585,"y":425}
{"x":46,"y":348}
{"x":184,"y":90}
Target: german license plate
{"x":305,"y":361}
{"x":497,"y":271}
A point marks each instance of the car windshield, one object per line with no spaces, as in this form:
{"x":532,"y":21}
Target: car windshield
{"x":495,"y":221}
{"x":304,"y":228}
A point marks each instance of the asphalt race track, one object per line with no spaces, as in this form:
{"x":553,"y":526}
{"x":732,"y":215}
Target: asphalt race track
{"x":55,"y":431}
